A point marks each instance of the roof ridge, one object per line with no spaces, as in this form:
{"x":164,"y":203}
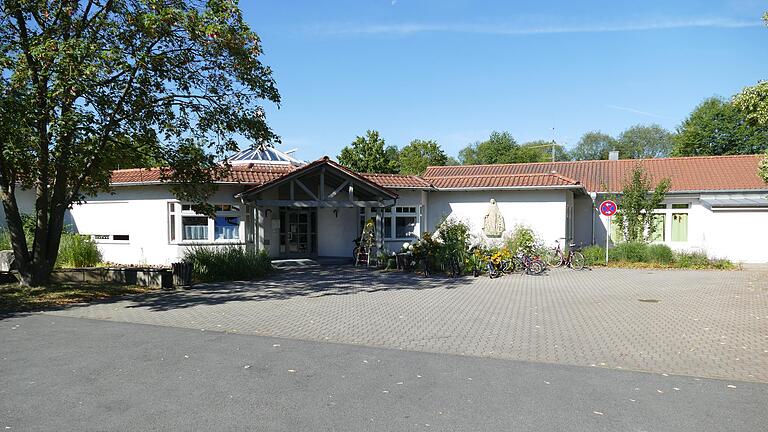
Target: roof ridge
{"x":597,"y":161}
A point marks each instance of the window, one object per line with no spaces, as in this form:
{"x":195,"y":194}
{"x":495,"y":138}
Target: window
{"x":404,"y":221}
{"x":680,"y":227}
{"x":659,"y":224}
{"x":172,"y":221}
{"x":194,"y":228}
{"x":121,"y":237}
{"x":397,"y":222}
{"x":681,"y":206}
{"x":226,"y":227}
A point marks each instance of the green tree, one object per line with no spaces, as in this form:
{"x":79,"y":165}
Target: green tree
{"x":86,"y":84}
{"x":717,"y":127}
{"x":639,"y":198}
{"x":419,"y":154}
{"x":500,"y":147}
{"x":368,"y":154}
{"x":753,"y":101}
{"x":641,"y":141}
{"x":541,"y":151}
{"x":594,"y":145}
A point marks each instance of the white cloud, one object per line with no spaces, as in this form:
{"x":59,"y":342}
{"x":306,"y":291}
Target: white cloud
{"x":507,"y":29}
{"x":637,"y":111}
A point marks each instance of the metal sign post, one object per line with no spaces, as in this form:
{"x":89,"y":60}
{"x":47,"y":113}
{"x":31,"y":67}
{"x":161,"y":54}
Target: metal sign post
{"x":608,"y":208}
{"x":607,"y":236}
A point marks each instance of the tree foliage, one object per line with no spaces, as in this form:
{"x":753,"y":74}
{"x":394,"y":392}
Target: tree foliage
{"x":419,"y":154}
{"x":500,"y":147}
{"x":594,"y":145}
{"x":717,"y":127}
{"x":639,"y":198}
{"x":645,"y":141}
{"x":87,"y":84}
{"x":753,"y":101}
{"x":368,"y":154}
{"x":541,"y":151}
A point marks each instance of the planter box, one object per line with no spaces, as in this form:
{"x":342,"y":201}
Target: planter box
{"x":123,"y":276}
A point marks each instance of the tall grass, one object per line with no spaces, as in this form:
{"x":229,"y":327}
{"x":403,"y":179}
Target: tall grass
{"x":654,"y":254}
{"x":5,"y":240}
{"x":78,"y":250}
{"x":226,"y":264}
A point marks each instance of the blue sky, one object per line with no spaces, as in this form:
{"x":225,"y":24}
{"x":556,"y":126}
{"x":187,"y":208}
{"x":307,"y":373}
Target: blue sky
{"x":454,"y":71}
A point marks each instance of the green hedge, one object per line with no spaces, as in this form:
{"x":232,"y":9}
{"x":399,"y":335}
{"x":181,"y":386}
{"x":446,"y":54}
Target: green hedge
{"x":77,"y":250}
{"x":653,"y":254}
{"x":226,"y":264}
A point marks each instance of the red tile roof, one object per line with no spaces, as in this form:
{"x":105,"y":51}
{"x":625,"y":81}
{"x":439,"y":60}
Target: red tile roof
{"x":322,"y":161}
{"x":398,"y":181}
{"x":256,"y":174}
{"x":502,"y":181}
{"x":686,"y":173}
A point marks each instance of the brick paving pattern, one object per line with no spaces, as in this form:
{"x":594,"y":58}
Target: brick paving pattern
{"x":705,"y":323}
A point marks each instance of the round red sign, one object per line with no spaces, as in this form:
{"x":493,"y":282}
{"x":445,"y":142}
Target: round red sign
{"x":608,"y":208}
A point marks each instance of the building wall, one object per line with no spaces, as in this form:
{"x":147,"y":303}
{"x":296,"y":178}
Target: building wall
{"x":544,"y":211}
{"x":142,"y":214}
{"x":336,"y":234}
{"x":738,"y":235}
{"x":25,"y":199}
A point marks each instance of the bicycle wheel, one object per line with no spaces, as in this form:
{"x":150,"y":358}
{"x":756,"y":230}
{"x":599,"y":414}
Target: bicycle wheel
{"x":492,"y":273}
{"x":536,"y":267}
{"x":554,"y":258}
{"x":577,"y":261}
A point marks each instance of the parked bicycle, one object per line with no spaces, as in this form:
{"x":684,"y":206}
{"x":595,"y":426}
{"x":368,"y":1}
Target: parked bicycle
{"x":573,"y":258}
{"x":528,"y":264}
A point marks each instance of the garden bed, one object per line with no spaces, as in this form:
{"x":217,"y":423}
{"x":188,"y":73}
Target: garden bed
{"x":14,"y":298}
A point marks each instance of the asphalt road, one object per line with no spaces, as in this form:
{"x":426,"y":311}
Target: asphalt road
{"x":68,"y":374}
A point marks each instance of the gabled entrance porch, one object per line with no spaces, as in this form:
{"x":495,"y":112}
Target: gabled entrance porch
{"x":314,"y":211}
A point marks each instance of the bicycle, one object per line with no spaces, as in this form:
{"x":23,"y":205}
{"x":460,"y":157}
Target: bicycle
{"x":528,"y":265}
{"x":498,"y":269}
{"x":573,"y":259}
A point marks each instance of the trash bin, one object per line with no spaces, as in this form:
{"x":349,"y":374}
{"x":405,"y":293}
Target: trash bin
{"x":182,"y":274}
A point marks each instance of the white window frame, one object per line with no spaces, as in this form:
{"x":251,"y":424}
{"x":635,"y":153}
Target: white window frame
{"x":399,"y":211}
{"x":393,"y":213}
{"x":177,"y":212}
{"x":668,"y":211}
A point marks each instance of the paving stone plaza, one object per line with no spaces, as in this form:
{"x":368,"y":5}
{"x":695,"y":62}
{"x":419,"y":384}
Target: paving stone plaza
{"x":702,"y":323}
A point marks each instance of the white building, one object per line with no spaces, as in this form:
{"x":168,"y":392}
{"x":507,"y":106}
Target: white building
{"x":289,"y":208}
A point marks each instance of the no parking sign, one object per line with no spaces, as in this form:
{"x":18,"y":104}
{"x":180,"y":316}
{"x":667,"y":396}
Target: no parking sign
{"x":608,"y":208}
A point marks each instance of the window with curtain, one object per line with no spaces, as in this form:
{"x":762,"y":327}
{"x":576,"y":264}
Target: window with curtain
{"x":659,"y":224}
{"x":679,"y":227}
{"x":194,"y":228}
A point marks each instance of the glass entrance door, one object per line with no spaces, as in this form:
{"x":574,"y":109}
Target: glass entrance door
{"x":298,"y":232}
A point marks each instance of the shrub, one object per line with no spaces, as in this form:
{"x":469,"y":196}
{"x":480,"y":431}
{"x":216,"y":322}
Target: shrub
{"x":659,"y":253}
{"x":453,"y":236}
{"x":524,"y":240}
{"x":692,"y":260}
{"x":77,"y":250}
{"x":5,"y":240}
{"x":629,"y":251}
{"x":226,"y":264}
{"x":594,"y":255}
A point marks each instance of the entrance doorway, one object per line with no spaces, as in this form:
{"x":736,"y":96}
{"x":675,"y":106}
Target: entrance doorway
{"x":298,"y":232}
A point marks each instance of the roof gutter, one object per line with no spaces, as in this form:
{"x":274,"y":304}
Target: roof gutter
{"x":471,"y":189}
